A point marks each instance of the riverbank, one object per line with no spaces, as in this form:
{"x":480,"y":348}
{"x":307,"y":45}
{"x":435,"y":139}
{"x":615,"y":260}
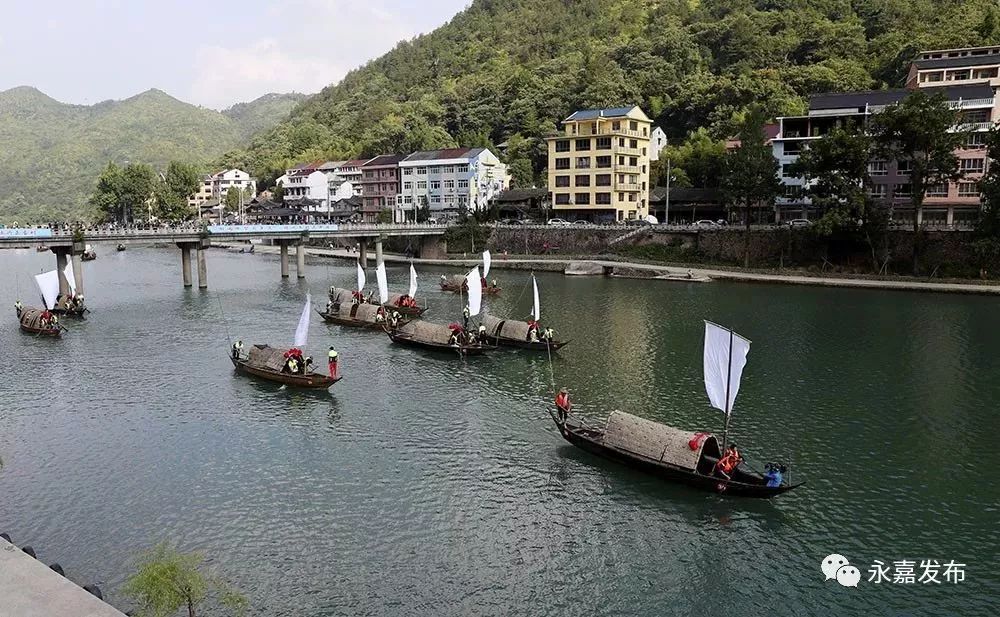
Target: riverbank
{"x":670,"y":272}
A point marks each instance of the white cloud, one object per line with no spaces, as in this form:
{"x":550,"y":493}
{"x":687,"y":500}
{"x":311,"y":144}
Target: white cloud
{"x":311,"y":44}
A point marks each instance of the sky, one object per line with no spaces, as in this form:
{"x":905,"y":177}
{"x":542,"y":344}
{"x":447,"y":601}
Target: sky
{"x":212,"y":53}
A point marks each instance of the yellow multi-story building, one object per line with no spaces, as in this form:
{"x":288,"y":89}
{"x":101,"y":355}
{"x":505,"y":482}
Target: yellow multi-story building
{"x":599,"y":165}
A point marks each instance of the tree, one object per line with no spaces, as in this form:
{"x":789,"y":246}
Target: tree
{"x":179,"y":182}
{"x":107,"y":195}
{"x":750,"y":174}
{"x":921,"y":130}
{"x":167,"y":580}
{"x":278,"y":193}
{"x":120,"y":191}
{"x":986,"y":246}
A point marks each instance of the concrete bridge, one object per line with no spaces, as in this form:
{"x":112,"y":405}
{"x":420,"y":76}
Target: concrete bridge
{"x":68,"y":245}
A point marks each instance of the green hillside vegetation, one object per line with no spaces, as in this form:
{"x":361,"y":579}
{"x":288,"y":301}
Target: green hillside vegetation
{"x":262,"y":113}
{"x":53,"y":153}
{"x":509,"y":70}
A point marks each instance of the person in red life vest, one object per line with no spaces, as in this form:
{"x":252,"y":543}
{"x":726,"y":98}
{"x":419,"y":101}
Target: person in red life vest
{"x":332,"y":358}
{"x":563,"y":404}
{"x":729,"y":461}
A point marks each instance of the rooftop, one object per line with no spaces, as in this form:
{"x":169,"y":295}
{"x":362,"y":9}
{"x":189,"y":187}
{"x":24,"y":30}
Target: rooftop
{"x":959,"y":62}
{"x":844,"y":100}
{"x":331,"y":165}
{"x":593,"y":114}
{"x":448,"y":153}
{"x":385,"y":160}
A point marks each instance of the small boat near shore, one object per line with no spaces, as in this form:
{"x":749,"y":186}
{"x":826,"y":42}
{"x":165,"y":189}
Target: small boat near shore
{"x":458,"y":283}
{"x":688,"y":457}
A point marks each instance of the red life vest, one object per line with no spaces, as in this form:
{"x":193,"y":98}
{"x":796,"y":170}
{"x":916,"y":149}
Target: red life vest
{"x":562,"y":400}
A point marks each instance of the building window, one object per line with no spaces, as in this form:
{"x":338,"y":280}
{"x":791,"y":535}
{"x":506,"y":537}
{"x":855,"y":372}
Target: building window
{"x":448,"y":169}
{"x":904,"y":168}
{"x":449,"y":184}
{"x":421,"y":171}
{"x":878,"y":168}
{"x":976,"y":140}
{"x":407,"y":186}
{"x":583,"y":162}
{"x":602,"y":180}
{"x":407,"y":171}
{"x":633,"y":126}
{"x":603,"y":199}
{"x":408,"y":199}
{"x":792,"y":191}
{"x":604,"y":162}
{"x":621,"y":196}
{"x":973,"y":166}
{"x":877,"y":191}
{"x":422,"y":185}
{"x":435,"y":199}
{"x":968,"y":189}
{"x":901,"y":190}
{"x":435,"y":185}
{"x":603,"y":143}
{"x":634,"y":144}
{"x":449,"y":199}
{"x":937,"y":190}
{"x":616,"y":126}
{"x":785,"y":169}
{"x":463,"y":184}
{"x":562,"y":163}
{"x":583,"y":181}
{"x":562,"y":199}
{"x":582,"y":199}
{"x":633,"y":161}
{"x":562,"y":181}
{"x":621,"y":142}
{"x":562,"y":145}
{"x":791,"y":148}
{"x":582,"y":145}
{"x":632,"y":197}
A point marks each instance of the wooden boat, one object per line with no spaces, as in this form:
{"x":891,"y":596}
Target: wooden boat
{"x":665,"y":452}
{"x":41,"y":248}
{"x":512,"y":333}
{"x":266,"y":363}
{"x":67,"y":309}
{"x":120,"y":248}
{"x":436,"y":337}
{"x":31,"y":322}
{"x":341,"y":296}
{"x":456,"y":283}
{"x":88,"y":254}
{"x":358,"y":316}
{"x":682,"y":456}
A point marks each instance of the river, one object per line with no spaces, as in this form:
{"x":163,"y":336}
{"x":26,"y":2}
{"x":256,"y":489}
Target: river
{"x":427,"y":485}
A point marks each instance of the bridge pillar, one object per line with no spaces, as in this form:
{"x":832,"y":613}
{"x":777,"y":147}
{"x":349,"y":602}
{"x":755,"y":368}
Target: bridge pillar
{"x":77,"y":257}
{"x":61,"y":253}
{"x":284,"y":258}
{"x":378,"y":251}
{"x":300,"y":260}
{"x":185,"y":262}
{"x":363,"y":253}
{"x":202,"y":265}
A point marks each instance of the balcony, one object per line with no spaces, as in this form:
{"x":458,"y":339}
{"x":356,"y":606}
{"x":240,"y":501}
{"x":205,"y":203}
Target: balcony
{"x":974,"y":126}
{"x":970,"y":103}
{"x":627,"y":186}
{"x":627,"y":151}
{"x":626,"y":169}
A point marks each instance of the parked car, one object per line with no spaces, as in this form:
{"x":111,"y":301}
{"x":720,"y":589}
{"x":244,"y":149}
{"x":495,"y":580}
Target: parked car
{"x":799,"y":223}
{"x":559,"y":222}
{"x":637,"y":222}
{"x":581,"y":222}
{"x":432,"y":221}
{"x":705,"y":224}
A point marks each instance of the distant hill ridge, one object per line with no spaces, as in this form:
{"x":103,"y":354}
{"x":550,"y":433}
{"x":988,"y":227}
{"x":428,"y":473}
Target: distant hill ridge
{"x":51,"y":152}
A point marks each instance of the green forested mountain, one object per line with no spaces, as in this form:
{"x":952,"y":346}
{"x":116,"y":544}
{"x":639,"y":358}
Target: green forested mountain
{"x":509,"y":70}
{"x":51,"y":153}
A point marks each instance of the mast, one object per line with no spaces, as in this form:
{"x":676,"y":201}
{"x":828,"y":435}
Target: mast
{"x":729,"y":377}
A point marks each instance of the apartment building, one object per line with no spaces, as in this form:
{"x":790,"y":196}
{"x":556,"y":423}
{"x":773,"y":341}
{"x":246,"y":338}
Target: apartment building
{"x":379,"y":185}
{"x":657,"y":142}
{"x":349,"y":172}
{"x":306,"y":181}
{"x":599,"y":165}
{"x":949,"y":204}
{"x":216,"y":186}
{"x":450,"y":180}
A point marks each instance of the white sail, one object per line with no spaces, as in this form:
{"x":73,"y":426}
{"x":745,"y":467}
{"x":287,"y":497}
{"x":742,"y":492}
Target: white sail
{"x":383,"y":284}
{"x":302,"y":331}
{"x":487,"y":259}
{"x":68,"y":273}
{"x":537,"y":313}
{"x":725,"y":356}
{"x":475,"y":291}
{"x":361,"y":277}
{"x":48,"y":284}
{"x":413,"y":282}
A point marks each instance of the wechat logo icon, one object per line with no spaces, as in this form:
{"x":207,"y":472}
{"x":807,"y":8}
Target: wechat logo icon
{"x":837,"y":567}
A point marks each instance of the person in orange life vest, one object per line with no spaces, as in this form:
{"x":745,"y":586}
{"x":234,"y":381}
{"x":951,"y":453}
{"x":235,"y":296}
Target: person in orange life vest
{"x":563,"y":404}
{"x":729,"y":461}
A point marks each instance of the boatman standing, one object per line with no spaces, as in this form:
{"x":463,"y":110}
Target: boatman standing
{"x":563,"y":404}
{"x":465,"y":318}
{"x":18,"y":307}
{"x":331,"y":358}
{"x":237,"y":350}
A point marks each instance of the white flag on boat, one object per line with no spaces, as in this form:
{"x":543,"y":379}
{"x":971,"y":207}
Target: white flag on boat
{"x":725,"y":356}
{"x":487,"y":259}
{"x":302,"y":332}
{"x":475,"y":291}
{"x":68,"y":273}
{"x":383,"y":283}
{"x":413,"y":282}
{"x":361,"y":277}
{"x":48,"y":284}
{"x":537,"y":313}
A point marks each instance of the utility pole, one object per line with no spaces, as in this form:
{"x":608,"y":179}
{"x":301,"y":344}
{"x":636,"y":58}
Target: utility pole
{"x":666,"y":211}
